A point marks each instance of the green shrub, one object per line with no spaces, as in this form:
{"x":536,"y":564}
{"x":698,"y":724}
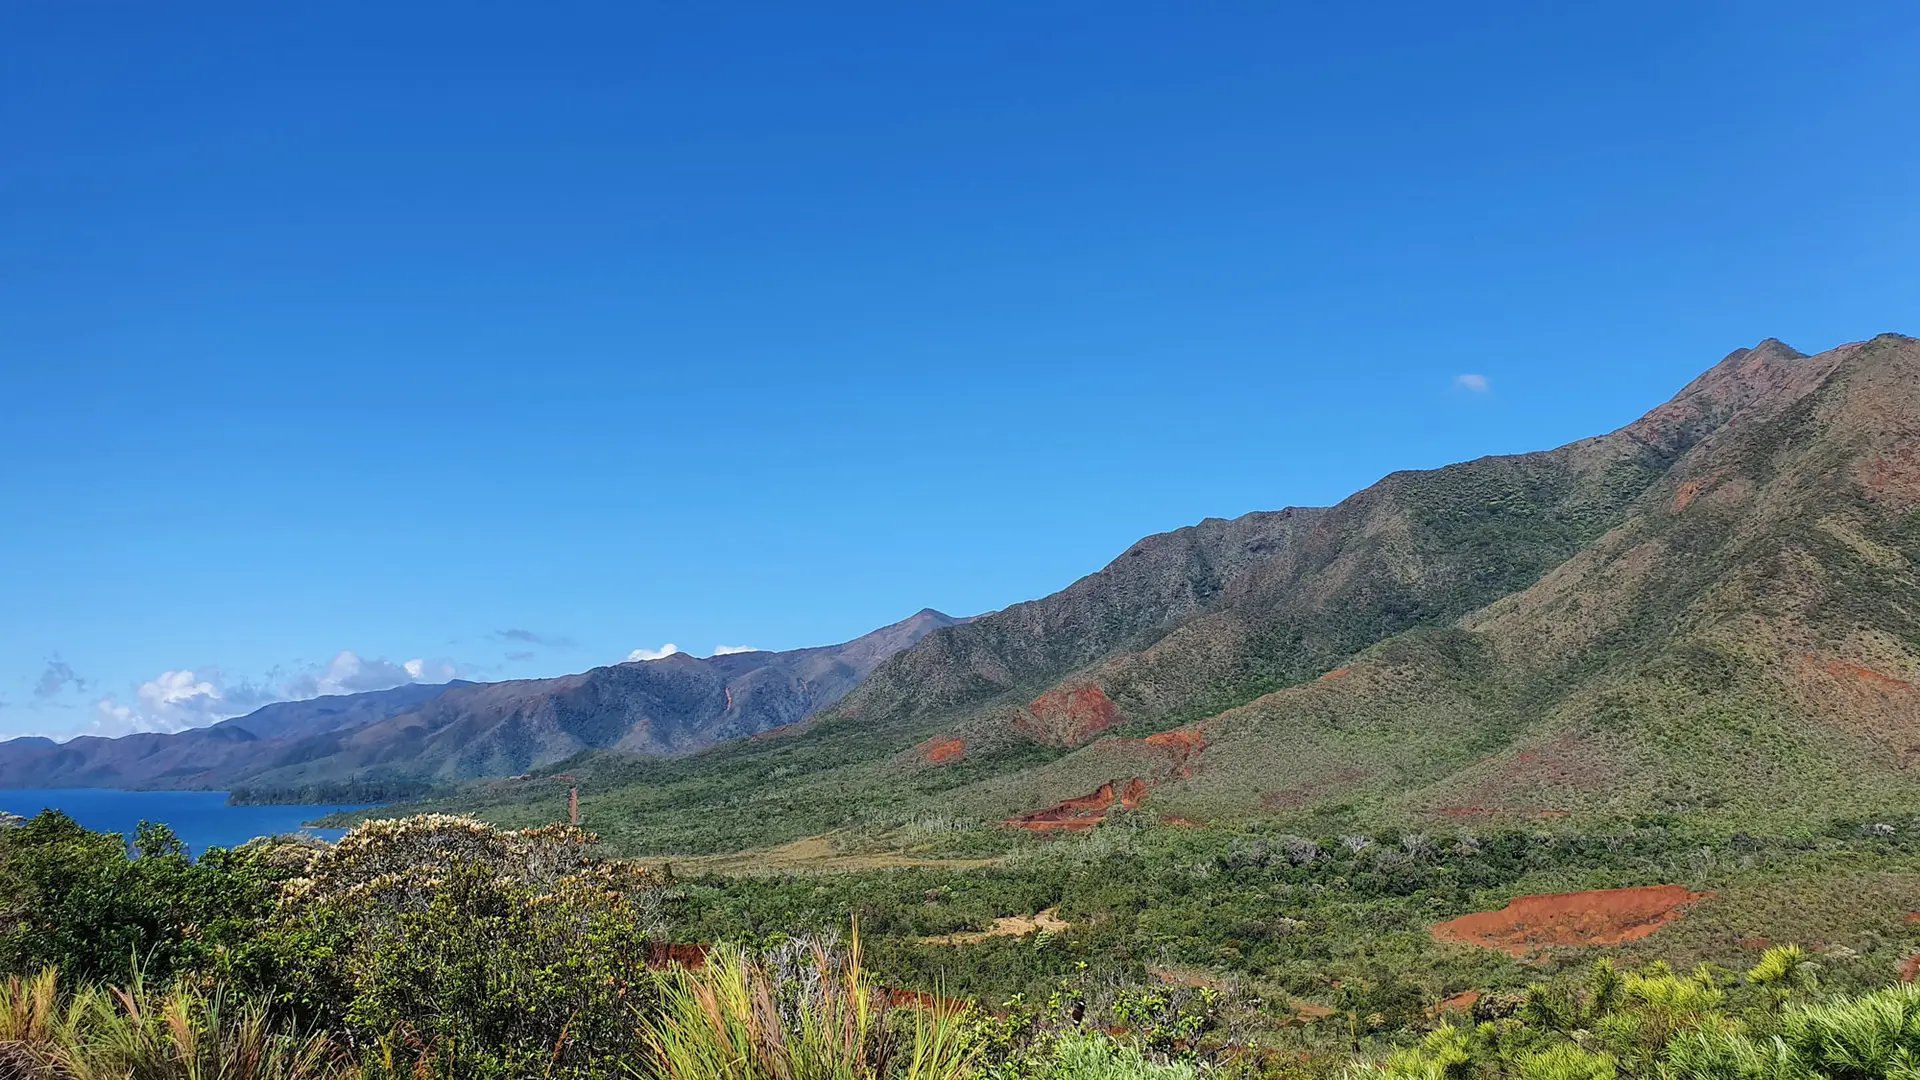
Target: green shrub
{"x":465,"y":950}
{"x":83,"y":902}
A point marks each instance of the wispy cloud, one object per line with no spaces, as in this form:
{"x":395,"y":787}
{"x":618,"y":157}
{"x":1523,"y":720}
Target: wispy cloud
{"x":58,"y":677}
{"x":653,"y":654}
{"x":1476,"y":383}
{"x":728,"y":650}
{"x":530,"y":637}
{"x":519,"y":657}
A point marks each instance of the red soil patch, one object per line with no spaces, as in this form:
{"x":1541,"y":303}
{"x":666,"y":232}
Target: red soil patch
{"x":661,"y":955}
{"x":1336,"y":673}
{"x":1755,"y":943}
{"x":1606,"y":917}
{"x":1069,"y":716}
{"x":1688,"y":492}
{"x":1085,"y":811}
{"x":1910,"y":968}
{"x":1182,"y":744}
{"x":1306,"y":1012}
{"x":1841,"y":669}
{"x":1913,"y":917}
{"x":1895,"y":473}
{"x":1462,"y":1002}
{"x":946,"y":750}
{"x":1179,"y":740}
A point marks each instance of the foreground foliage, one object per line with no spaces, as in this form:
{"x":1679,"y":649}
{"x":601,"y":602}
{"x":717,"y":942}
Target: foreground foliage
{"x":803,"y":1012}
{"x":442,"y":947}
{"x":89,"y":1032}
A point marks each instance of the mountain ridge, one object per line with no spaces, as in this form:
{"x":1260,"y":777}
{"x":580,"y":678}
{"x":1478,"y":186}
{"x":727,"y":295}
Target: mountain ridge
{"x":1345,"y":661}
{"x":411,"y":737}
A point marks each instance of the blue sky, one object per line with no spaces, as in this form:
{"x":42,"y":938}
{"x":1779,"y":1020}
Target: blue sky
{"x":509,"y":339}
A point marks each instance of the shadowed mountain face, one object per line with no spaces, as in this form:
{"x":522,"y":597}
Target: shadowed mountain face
{"x":188,"y":759}
{"x":1713,"y":611}
{"x":420,"y":734}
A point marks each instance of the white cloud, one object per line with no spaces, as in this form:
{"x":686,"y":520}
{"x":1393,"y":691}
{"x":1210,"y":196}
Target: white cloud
{"x":653,"y":654}
{"x":178,"y":700}
{"x":1476,"y":383}
{"x":728,"y":650}
{"x":171,"y":701}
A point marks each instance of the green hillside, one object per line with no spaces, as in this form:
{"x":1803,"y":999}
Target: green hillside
{"x":1710,"y":613}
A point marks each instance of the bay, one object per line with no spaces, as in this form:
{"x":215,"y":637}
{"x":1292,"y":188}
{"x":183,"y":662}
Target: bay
{"x":202,"y":819}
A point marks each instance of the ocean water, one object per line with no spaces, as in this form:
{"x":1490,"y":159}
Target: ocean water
{"x":202,"y":819}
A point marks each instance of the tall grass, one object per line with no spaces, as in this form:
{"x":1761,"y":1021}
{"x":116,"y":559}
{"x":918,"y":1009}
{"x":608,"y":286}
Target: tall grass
{"x":132,"y":1033}
{"x":810,"y":1013}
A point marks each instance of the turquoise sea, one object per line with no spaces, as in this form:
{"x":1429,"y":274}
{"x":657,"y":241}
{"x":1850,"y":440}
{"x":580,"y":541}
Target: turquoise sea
{"x":201,"y":818}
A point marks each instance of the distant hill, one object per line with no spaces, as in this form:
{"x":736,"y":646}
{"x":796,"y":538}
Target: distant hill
{"x":1714,"y":612}
{"x":414,"y":736}
{"x":206,"y":757}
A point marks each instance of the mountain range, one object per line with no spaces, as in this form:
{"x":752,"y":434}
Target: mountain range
{"x":1713,"y":612}
{"x":404,"y":740}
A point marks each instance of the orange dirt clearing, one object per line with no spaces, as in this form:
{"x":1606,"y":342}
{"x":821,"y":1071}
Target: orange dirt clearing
{"x":946,"y":750}
{"x":1605,"y":917}
{"x":1070,"y":716}
{"x":1179,"y":740}
{"x":1841,"y":669}
{"x":1462,"y":1002}
{"x":1688,"y":492}
{"x":1181,"y":744}
{"x":1306,"y":1012}
{"x":1085,"y":811}
{"x":1336,"y":673}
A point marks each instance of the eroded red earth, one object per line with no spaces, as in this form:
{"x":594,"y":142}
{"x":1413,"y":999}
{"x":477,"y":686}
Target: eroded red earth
{"x":1842,"y":669}
{"x":945,"y":750}
{"x":1085,"y":811}
{"x":1604,"y":917}
{"x":1069,"y":715}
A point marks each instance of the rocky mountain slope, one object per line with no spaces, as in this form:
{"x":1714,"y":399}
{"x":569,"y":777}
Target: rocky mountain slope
{"x":1710,"y":611}
{"x":1743,"y":640}
{"x":414,"y":736}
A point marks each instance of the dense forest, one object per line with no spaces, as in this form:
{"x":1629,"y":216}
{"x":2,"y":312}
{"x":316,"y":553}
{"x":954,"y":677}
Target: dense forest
{"x":443,"y":947}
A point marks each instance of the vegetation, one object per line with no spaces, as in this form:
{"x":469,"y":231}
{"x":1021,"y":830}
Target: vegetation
{"x":442,"y":947}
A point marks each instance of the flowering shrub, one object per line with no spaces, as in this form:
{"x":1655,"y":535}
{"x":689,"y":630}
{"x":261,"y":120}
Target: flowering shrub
{"x":443,"y":944}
